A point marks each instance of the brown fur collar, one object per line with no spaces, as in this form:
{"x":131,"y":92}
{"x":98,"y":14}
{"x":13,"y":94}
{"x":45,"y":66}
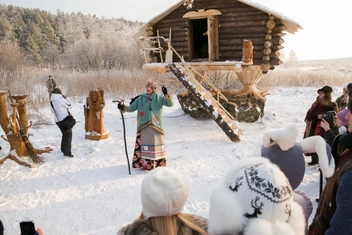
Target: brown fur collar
{"x":140,"y":227}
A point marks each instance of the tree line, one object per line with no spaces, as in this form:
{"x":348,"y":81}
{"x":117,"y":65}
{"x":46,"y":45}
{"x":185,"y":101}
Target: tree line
{"x":65,"y":40}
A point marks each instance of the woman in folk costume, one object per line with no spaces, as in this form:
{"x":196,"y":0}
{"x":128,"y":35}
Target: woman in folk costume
{"x":322,"y":104}
{"x":254,"y":198}
{"x":150,"y":146}
{"x":164,"y":193}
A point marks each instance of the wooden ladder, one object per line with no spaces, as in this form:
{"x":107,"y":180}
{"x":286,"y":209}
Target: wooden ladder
{"x":216,"y":111}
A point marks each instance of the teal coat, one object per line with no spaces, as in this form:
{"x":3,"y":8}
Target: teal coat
{"x":150,"y":112}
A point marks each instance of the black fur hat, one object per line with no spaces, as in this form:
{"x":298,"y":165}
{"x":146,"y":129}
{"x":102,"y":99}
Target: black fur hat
{"x":326,"y":90}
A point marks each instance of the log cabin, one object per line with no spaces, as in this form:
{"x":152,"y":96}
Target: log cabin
{"x":225,"y":35}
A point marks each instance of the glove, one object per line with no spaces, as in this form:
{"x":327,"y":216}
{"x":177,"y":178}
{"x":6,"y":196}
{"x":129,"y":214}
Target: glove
{"x":120,"y":106}
{"x":164,"y":90}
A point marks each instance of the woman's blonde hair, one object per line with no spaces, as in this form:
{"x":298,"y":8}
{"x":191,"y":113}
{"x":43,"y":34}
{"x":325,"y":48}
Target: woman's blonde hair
{"x":170,"y":225}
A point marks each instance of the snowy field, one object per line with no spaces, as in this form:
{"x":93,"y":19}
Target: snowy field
{"x":93,"y":193}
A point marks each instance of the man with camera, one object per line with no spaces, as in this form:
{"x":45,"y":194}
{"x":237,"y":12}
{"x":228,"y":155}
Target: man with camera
{"x":322,"y":105}
{"x":328,"y":127}
{"x":334,"y":127}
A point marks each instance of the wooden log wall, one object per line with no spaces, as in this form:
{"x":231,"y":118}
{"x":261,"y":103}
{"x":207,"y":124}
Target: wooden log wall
{"x":237,"y":22}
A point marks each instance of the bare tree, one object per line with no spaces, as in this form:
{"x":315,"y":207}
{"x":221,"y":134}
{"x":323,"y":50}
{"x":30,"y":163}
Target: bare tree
{"x":292,"y":59}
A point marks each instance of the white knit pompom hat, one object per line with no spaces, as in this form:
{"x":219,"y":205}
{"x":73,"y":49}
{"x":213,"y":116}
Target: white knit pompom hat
{"x":254,"y":198}
{"x":164,"y":192}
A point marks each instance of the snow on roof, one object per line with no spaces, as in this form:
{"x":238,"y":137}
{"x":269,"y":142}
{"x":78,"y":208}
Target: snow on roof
{"x":292,"y":26}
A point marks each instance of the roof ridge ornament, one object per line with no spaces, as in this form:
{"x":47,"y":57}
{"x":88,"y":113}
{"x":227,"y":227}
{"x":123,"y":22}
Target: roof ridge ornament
{"x":188,"y":3}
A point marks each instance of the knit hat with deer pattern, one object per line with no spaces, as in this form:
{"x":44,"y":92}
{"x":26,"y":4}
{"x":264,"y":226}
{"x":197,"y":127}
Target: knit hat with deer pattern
{"x":255,"y":198}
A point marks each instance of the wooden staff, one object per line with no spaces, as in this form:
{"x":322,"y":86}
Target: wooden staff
{"x":124,"y":134}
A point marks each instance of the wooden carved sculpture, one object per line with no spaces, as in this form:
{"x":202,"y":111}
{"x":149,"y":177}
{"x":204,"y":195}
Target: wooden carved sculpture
{"x":15,"y":128}
{"x":247,"y":51}
{"x":93,"y":113}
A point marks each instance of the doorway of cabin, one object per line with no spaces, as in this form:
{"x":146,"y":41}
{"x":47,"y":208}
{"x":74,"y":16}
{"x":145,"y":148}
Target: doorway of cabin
{"x":199,"y":34}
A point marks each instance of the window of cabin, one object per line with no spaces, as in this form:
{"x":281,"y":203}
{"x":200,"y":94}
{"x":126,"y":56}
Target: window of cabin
{"x":203,"y":35}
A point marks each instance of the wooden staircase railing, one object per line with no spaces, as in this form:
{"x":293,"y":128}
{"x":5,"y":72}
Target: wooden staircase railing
{"x":216,"y":111}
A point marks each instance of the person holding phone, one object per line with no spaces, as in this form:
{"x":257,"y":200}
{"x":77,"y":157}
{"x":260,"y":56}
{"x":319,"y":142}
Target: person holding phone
{"x":28,"y":227}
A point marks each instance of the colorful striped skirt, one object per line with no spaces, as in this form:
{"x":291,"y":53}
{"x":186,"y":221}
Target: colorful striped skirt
{"x":149,"y":151}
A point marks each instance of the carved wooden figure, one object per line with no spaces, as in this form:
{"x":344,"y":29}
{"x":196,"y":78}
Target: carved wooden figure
{"x":15,"y":128}
{"x":247,"y":51}
{"x":93,"y":113}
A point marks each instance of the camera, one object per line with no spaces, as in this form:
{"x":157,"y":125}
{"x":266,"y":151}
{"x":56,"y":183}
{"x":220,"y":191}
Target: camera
{"x":28,"y":228}
{"x":329,"y":117}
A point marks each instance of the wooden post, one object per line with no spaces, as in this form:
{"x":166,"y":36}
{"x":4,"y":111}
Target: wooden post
{"x":3,"y":112}
{"x":159,"y":45}
{"x":22,"y":111}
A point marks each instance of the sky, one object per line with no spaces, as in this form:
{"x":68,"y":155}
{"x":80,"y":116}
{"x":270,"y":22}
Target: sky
{"x":324,"y":35}
{"x":93,"y":193}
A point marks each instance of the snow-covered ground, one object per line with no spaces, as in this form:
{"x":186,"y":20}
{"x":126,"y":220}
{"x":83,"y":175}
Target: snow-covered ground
{"x":93,"y":193}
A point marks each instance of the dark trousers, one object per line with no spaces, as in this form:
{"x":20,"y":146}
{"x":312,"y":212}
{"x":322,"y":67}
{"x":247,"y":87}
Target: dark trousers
{"x":66,"y":141}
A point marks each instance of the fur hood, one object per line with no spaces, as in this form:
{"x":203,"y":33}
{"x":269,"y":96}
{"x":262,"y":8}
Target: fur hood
{"x":140,"y":227}
{"x":255,"y":198}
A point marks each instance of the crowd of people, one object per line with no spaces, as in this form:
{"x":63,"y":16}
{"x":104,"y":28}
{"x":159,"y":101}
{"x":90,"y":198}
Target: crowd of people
{"x":257,"y":195}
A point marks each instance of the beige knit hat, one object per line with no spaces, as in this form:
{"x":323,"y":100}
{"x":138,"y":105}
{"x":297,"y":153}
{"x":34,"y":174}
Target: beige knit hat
{"x":164,"y":192}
